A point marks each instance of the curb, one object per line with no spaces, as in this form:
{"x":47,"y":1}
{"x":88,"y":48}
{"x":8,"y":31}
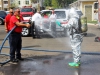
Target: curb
{"x":92,"y":24}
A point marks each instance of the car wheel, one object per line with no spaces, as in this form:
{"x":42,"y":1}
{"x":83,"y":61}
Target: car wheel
{"x":1,"y":21}
{"x":25,"y":31}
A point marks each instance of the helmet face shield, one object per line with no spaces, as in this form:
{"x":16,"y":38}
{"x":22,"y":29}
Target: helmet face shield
{"x":73,"y":13}
{"x":79,"y":13}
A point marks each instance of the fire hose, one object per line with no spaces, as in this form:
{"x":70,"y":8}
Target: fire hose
{"x":3,"y":45}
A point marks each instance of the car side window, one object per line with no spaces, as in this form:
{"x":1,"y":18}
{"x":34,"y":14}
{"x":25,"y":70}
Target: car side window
{"x":2,"y":13}
{"x":46,"y":12}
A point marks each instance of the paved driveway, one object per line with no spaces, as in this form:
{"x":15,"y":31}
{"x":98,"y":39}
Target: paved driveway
{"x":53,"y":63}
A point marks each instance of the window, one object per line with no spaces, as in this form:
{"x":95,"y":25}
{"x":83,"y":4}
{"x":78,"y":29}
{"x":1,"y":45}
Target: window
{"x":19,"y":2}
{"x":27,"y":2}
{"x":5,"y":2}
{"x":46,"y":12}
{"x":95,"y":5}
{"x":2,"y":13}
{"x":26,"y":10}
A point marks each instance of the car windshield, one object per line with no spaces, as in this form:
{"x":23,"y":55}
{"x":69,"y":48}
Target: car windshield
{"x":46,"y":12}
{"x":26,"y":10}
{"x":60,"y":14}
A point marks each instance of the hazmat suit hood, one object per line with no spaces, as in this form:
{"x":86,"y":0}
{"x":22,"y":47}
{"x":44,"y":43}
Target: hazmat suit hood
{"x":73,"y":13}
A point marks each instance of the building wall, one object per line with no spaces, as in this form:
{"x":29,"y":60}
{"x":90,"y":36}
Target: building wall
{"x":99,"y":12}
{"x":90,"y":12}
{"x":86,"y":3}
{"x":23,"y":3}
{"x":84,"y":6}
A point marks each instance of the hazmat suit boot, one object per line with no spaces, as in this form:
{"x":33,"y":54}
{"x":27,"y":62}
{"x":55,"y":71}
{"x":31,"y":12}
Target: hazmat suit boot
{"x":74,"y":64}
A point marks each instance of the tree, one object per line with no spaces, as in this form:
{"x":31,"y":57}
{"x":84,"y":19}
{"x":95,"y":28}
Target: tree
{"x":55,"y":3}
{"x":63,"y":3}
{"x":13,"y":5}
{"x":58,"y":3}
{"x":47,"y":3}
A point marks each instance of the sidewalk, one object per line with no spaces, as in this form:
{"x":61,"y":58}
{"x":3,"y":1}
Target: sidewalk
{"x":92,"y":24}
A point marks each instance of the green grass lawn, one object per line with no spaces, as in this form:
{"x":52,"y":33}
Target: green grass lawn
{"x":94,"y":22}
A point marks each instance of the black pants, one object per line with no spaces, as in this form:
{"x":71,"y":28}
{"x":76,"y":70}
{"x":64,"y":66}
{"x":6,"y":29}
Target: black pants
{"x":53,"y":28}
{"x":15,"y":45}
{"x":34,"y":30}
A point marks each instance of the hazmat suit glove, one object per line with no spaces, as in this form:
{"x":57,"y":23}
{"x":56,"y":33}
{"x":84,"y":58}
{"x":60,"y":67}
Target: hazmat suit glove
{"x":58,"y":23}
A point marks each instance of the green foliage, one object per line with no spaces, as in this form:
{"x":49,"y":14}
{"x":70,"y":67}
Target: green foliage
{"x":94,"y":22}
{"x":55,"y":3}
{"x":47,"y":3}
{"x":13,"y":5}
{"x":58,"y":3}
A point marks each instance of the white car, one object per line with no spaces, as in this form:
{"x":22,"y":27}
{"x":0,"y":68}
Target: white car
{"x":7,"y":12}
{"x":62,"y":17}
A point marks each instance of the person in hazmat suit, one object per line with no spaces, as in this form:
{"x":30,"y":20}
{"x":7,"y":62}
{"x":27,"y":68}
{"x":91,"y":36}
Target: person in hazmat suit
{"x":75,"y":36}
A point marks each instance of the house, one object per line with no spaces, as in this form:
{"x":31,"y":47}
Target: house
{"x":4,"y":4}
{"x":22,"y":3}
{"x":87,"y":7}
{"x":99,"y":12}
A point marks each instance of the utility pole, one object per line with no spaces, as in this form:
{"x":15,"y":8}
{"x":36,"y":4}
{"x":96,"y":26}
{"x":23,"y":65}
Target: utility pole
{"x":38,"y":5}
{"x":2,"y":8}
{"x":9,"y":4}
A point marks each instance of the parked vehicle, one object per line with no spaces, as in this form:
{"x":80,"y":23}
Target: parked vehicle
{"x":44,"y":27}
{"x":26,"y":12}
{"x":27,"y":31}
{"x":2,"y":16}
{"x":62,"y":17}
{"x":7,"y":12}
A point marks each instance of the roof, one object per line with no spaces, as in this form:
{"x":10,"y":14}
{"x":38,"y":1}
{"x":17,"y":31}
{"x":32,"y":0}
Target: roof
{"x":87,"y":0}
